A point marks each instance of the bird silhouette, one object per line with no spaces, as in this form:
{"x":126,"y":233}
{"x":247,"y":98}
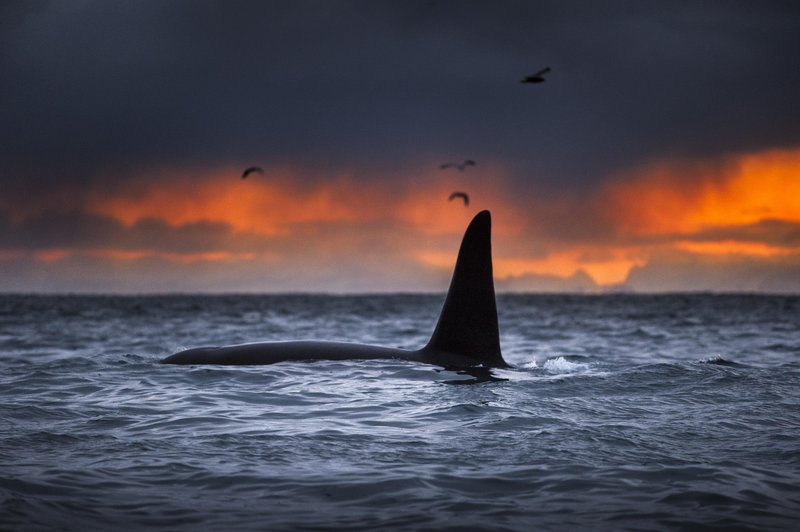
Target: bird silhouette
{"x":463,"y":195}
{"x":461,"y":167}
{"x":250,"y":170}
{"x":536,"y":78}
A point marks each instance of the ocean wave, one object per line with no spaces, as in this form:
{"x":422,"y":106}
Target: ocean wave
{"x":611,"y":418}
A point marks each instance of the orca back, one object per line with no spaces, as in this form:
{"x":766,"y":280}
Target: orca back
{"x":467,"y":325}
{"x":466,"y":334}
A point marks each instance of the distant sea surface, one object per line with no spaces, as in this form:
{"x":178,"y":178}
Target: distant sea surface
{"x":623,"y":412}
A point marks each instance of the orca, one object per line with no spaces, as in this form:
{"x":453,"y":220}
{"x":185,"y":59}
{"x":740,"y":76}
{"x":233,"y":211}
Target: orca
{"x":466,"y":335}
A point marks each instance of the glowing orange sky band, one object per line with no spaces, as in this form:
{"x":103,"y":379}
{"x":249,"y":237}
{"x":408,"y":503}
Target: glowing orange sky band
{"x":664,"y":198}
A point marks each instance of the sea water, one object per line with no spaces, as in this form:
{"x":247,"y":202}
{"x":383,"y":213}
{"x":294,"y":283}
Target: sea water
{"x":621,"y":412}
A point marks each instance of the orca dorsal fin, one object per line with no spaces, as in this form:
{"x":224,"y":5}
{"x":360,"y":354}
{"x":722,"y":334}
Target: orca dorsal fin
{"x":468,"y":323}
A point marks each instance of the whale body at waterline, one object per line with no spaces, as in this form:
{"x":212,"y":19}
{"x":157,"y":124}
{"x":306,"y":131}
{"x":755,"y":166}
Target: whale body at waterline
{"x":466,"y":335}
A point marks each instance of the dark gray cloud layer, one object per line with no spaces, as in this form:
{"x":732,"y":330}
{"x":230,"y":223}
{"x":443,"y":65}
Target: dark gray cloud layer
{"x":89,"y":87}
{"x":75,"y":230}
{"x":169,"y":258}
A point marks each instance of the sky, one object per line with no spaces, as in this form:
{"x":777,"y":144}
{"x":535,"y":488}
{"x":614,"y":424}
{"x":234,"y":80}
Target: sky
{"x":661,"y":154}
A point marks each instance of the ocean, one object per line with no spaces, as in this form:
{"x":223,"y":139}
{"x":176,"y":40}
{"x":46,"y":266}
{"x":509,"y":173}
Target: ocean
{"x":622,"y":412}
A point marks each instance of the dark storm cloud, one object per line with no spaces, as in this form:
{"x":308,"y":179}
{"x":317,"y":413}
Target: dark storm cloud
{"x":770,"y":231}
{"x":160,"y":268}
{"x":79,"y":231}
{"x":585,"y":229}
{"x":90,"y":86}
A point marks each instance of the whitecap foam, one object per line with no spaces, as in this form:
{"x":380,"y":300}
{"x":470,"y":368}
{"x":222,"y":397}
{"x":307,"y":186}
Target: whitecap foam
{"x":557,"y":365}
{"x":562,"y":365}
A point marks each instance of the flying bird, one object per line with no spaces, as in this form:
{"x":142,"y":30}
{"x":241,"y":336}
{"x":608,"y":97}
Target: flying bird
{"x":250,"y":170}
{"x":468,"y":162}
{"x":463,"y":195}
{"x":536,"y":78}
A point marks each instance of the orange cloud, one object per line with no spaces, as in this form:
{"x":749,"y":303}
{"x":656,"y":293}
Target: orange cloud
{"x":269,"y":203}
{"x":339,"y":211}
{"x":663,"y":207}
{"x":51,"y":255}
{"x":183,"y":258}
{"x":669,"y":198}
{"x":733,"y":247}
{"x":263,"y":204}
{"x":55,"y":255}
{"x":679,"y":200}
